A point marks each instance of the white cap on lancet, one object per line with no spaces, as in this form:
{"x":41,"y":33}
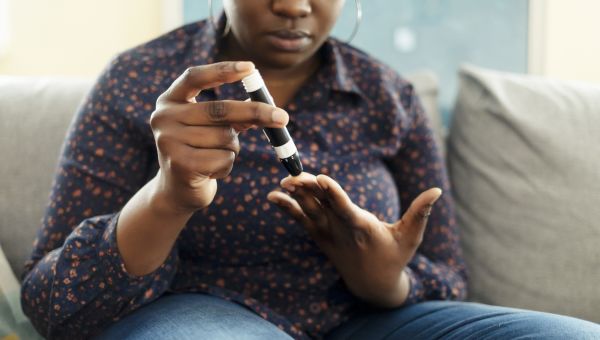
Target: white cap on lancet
{"x":253,"y":82}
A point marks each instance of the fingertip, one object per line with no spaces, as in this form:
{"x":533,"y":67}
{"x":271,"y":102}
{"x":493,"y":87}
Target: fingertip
{"x":437,"y":193}
{"x":243,"y":66}
{"x":325,"y":182}
{"x":322,"y":182}
{"x":275,"y":197}
{"x":285,"y":180}
{"x":288,"y":184}
{"x":307,"y":176}
{"x":280,"y":116}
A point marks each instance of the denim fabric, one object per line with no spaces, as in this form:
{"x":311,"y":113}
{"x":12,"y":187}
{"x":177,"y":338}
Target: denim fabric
{"x":463,"y":320}
{"x":201,"y":316}
{"x":193,"y":316}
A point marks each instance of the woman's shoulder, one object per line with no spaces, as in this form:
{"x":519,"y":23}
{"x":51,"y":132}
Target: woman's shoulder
{"x":379,"y":83}
{"x":367,"y":70}
{"x":145,"y":71}
{"x":173,"y":44}
{"x":160,"y":58}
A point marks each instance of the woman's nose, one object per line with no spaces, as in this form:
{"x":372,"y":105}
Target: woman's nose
{"x":292,"y":8}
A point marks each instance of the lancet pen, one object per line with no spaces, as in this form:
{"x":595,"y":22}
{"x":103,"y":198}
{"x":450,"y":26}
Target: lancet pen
{"x":279,"y":138}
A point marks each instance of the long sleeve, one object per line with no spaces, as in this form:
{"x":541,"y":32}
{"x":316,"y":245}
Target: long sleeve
{"x":437,"y":271}
{"x":75,"y":283}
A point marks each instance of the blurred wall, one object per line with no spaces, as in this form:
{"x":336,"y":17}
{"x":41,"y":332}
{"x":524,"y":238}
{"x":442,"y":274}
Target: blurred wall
{"x":437,"y":35}
{"x":69,"y":37}
{"x":75,"y":37}
{"x":571,"y":40}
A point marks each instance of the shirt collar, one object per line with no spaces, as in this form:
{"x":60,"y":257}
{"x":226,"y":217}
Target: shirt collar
{"x":337,"y":73}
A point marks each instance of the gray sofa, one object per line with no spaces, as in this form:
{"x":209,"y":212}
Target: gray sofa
{"x":509,"y":264}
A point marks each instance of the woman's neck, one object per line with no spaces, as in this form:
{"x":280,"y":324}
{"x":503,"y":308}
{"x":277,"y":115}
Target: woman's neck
{"x":283,"y":83}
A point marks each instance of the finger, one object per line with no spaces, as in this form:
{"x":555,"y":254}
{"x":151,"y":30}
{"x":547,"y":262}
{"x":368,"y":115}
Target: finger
{"x":315,"y":189}
{"x":242,"y":127}
{"x":195,"y":79}
{"x":299,"y":186}
{"x":230,"y":112}
{"x":291,"y":206}
{"x":311,"y":206}
{"x":213,"y":137}
{"x":309,"y":184}
{"x":304,"y":179}
{"x":338,"y":199}
{"x":411,"y":226}
{"x":212,"y":163}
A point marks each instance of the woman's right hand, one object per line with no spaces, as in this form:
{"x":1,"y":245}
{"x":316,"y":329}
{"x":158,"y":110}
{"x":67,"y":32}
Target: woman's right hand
{"x":197,"y":143}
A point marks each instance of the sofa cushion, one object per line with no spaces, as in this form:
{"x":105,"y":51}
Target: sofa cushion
{"x":524,"y":160}
{"x":34,"y":116}
{"x":426,"y":85}
{"x":13,"y":323}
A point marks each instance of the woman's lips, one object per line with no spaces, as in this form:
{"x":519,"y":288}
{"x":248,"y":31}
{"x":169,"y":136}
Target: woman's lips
{"x":289,"y":41}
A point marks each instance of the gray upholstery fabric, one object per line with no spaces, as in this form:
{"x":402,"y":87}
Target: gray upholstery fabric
{"x":524,"y":159}
{"x":34,"y":116}
{"x":426,"y":84}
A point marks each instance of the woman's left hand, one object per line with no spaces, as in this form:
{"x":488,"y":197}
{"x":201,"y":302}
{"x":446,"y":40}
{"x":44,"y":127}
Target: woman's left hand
{"x":369,"y":254}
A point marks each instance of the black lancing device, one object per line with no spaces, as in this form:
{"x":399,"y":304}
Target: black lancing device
{"x":279,"y":138}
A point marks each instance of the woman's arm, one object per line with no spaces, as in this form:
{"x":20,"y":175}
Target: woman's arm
{"x":111,"y":265}
{"x":77,"y":281}
{"x":437,"y":271}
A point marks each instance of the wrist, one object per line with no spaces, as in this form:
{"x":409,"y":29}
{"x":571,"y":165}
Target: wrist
{"x":393,"y":297}
{"x":162,"y":204}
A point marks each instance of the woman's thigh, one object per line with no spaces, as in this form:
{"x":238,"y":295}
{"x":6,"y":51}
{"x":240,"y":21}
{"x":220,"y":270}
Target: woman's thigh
{"x":463,"y":320}
{"x":193,"y":316}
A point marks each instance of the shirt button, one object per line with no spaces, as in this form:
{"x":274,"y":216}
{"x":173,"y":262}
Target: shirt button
{"x":315,"y":308}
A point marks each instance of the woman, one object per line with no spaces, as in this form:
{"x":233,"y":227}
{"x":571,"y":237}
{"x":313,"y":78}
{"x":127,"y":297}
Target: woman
{"x":172,"y":229}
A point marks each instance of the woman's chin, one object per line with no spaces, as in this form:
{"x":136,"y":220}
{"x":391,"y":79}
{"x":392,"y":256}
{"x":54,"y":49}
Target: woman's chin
{"x":284,"y":60}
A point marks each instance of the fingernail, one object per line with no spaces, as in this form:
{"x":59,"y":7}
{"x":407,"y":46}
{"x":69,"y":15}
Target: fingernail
{"x":289,"y":187}
{"x":243,"y":66}
{"x":279,"y":116}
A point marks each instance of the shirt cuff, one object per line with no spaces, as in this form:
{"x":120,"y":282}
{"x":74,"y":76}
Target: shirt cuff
{"x":118,"y":275}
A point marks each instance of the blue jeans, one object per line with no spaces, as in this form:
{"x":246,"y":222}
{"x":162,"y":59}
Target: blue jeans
{"x":200,"y":316}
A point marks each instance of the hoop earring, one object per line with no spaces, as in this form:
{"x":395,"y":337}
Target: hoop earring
{"x":359,"y":15}
{"x":214,"y":23}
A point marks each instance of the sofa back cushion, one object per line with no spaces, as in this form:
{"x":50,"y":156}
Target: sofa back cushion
{"x":524,"y":159}
{"x":34,"y":116}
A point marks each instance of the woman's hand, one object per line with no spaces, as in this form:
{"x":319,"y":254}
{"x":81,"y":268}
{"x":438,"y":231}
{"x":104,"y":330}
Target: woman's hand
{"x":198,"y":142}
{"x":369,"y":254}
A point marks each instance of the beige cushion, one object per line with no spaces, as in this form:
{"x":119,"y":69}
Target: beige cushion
{"x":34,"y":116}
{"x":524,"y":158}
{"x":426,"y":85}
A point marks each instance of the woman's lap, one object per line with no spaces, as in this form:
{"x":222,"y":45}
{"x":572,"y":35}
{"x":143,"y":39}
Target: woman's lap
{"x":463,"y":320}
{"x":193,"y":316}
{"x":200,"y":316}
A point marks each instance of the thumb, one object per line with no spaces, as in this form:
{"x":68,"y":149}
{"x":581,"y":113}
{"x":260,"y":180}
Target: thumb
{"x":412,"y":224}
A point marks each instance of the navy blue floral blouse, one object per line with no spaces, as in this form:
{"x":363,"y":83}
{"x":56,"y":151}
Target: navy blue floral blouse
{"x":355,"y":120}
